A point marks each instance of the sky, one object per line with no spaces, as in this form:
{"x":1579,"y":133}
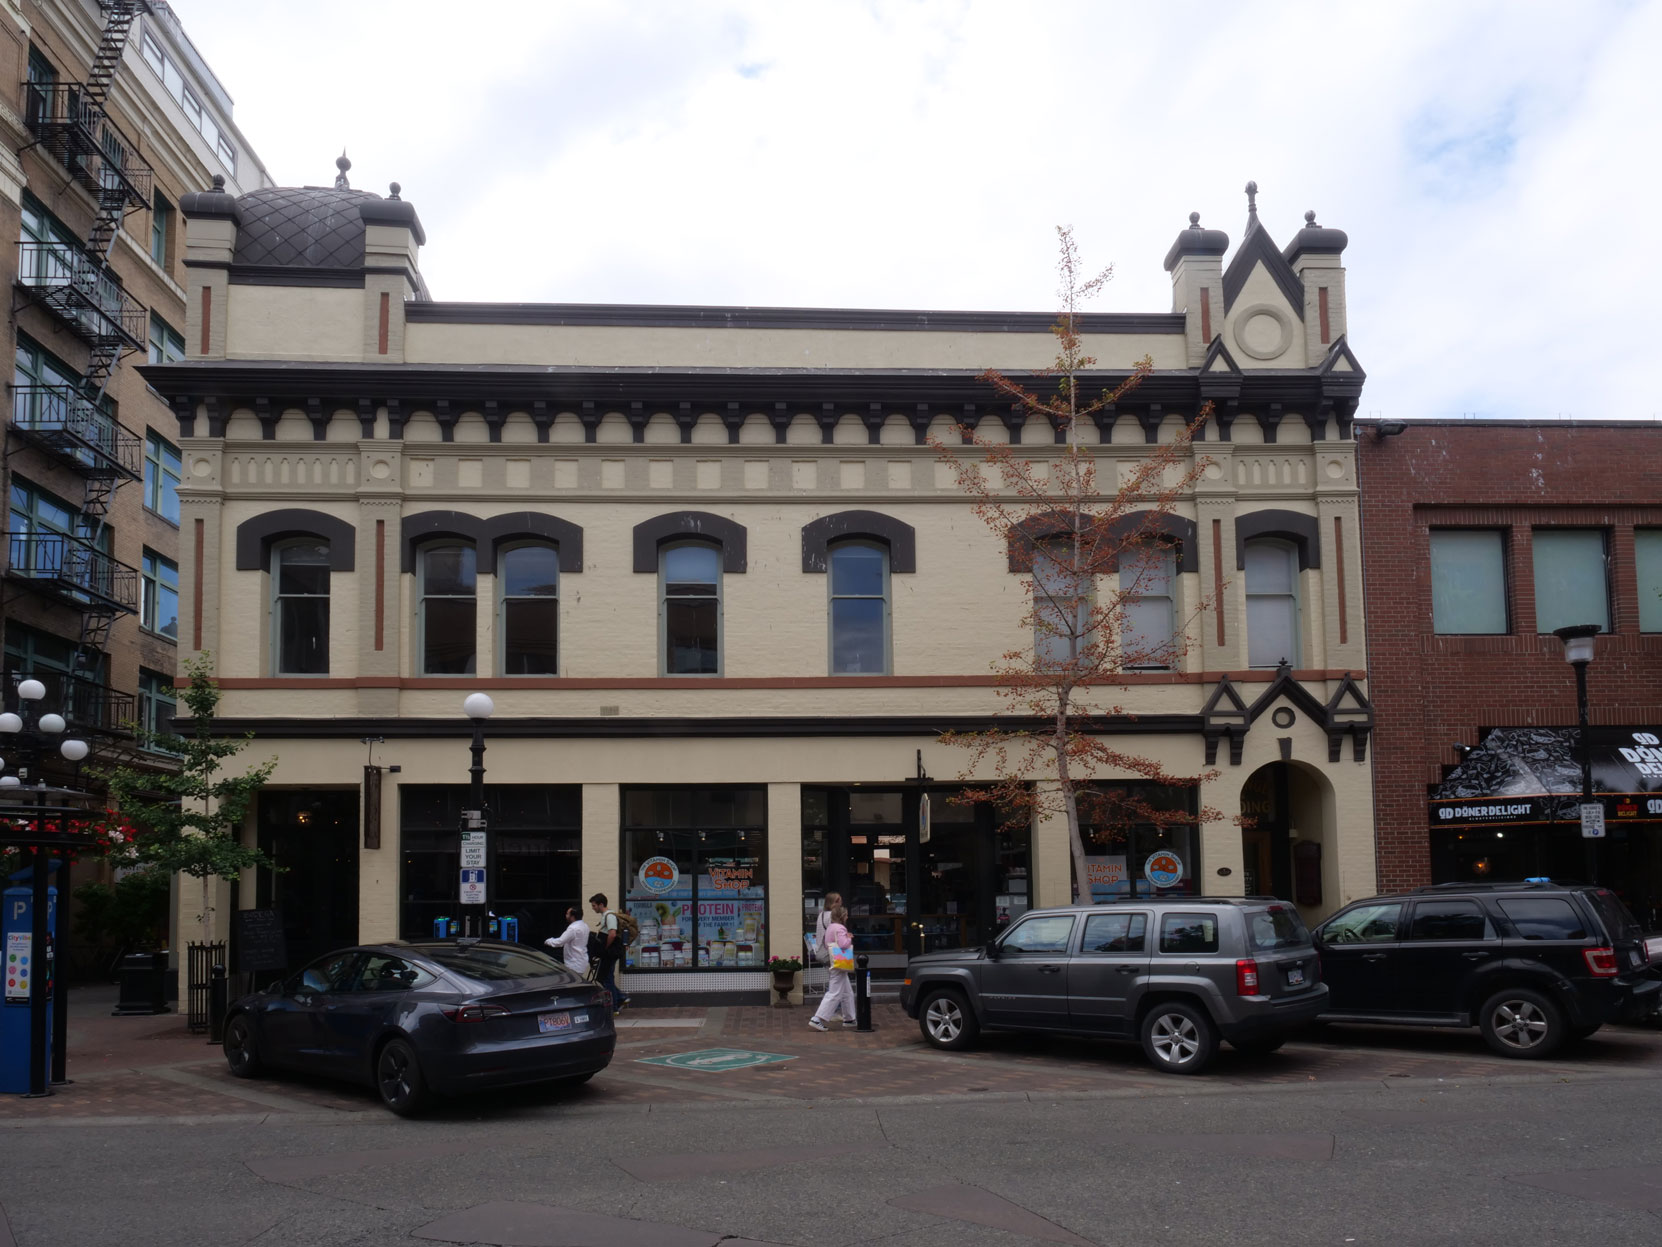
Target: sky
{"x":1491,"y":162}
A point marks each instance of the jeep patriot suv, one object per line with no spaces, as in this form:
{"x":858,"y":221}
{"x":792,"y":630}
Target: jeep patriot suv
{"x":1175,"y":974}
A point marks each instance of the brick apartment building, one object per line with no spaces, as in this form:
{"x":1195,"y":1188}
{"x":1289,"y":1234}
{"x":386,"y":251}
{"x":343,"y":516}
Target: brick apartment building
{"x":1482,"y":539}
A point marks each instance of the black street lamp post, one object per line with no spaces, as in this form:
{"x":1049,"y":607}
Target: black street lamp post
{"x":1578,"y":652}
{"x":478,"y":707}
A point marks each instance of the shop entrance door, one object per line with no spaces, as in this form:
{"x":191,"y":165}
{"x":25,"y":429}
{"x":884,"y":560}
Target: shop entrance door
{"x":312,"y":836}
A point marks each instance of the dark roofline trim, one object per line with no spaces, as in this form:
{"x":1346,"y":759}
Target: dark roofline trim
{"x":256,"y":536}
{"x":696,"y":316}
{"x":487,"y":536}
{"x":1302,"y":531}
{"x":1255,"y":247}
{"x":731,"y":536}
{"x":897,"y":535}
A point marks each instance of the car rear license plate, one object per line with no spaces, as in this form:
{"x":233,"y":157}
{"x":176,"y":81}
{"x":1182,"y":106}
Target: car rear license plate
{"x":553,"y":1022}
{"x":1295,"y":976}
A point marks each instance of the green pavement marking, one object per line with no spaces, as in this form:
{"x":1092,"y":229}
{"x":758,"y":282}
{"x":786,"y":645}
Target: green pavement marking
{"x":715,"y":1060}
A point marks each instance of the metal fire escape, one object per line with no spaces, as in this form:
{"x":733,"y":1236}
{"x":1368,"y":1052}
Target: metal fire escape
{"x":78,"y":288}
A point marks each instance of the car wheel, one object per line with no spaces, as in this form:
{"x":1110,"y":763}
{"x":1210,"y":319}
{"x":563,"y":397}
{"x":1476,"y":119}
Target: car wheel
{"x":1179,"y":1038}
{"x":398,"y":1079}
{"x":1257,"y":1047}
{"x":947,"y":1022}
{"x":1522,"y":1023}
{"x":241,"y":1052}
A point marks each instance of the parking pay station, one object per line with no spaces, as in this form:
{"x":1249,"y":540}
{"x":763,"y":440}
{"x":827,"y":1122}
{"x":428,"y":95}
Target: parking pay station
{"x":23,"y":962}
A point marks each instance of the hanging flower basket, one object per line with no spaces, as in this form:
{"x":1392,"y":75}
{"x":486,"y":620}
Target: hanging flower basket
{"x":81,"y":837}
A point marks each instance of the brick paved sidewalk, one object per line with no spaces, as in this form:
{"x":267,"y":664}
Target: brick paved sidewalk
{"x":151,"y":1067}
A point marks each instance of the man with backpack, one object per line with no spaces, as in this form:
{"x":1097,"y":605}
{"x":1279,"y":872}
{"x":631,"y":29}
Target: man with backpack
{"x":615,"y":932}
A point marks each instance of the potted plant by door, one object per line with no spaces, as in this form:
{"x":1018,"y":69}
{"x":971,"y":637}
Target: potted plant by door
{"x":785,"y":970}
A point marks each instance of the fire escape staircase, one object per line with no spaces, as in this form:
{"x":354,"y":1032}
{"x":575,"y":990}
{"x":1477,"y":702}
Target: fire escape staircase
{"x":78,"y":288}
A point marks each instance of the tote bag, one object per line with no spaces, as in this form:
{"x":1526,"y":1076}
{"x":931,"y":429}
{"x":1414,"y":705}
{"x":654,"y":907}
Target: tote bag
{"x":842,"y":959}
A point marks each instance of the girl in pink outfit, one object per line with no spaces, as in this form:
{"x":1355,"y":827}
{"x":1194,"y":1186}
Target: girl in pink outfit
{"x":839,"y":987}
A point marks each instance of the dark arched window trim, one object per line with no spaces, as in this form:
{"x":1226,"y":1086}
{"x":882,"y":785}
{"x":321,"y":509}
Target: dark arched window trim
{"x":819,"y":535}
{"x":256,"y":536}
{"x":731,"y":537}
{"x":1025,"y":537}
{"x":1302,"y":532}
{"x":487,"y":536}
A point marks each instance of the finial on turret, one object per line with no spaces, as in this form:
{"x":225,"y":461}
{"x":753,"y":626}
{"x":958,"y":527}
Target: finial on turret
{"x":394,"y":188}
{"x":219,"y":181}
{"x":1194,"y":220}
{"x":1310,"y":219}
{"x":1252,"y":198}
{"x":343,"y":164}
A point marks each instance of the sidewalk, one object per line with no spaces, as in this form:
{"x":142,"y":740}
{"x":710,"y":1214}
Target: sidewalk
{"x":150,"y":1068}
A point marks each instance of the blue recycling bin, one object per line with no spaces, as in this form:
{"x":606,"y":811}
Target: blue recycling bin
{"x":22,"y":963}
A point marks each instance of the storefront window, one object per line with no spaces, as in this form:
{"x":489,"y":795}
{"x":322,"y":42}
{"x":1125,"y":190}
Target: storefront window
{"x":696,"y":879}
{"x":1128,"y":852}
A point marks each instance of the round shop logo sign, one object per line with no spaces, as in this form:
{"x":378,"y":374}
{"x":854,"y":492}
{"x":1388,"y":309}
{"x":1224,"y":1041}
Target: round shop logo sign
{"x":1163,"y":869}
{"x":659,"y":875}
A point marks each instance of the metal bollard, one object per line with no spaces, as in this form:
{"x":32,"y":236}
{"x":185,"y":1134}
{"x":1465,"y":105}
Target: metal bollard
{"x":217,"y":1004}
{"x":862,"y":994}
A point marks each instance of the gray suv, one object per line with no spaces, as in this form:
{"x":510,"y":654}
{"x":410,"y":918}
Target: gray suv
{"x":1173,"y":973}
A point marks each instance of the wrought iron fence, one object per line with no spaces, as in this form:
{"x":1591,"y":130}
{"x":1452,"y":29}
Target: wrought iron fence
{"x":200,"y":960}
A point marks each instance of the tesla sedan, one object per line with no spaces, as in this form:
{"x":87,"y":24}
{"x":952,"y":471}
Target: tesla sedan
{"x":435,"y":1017}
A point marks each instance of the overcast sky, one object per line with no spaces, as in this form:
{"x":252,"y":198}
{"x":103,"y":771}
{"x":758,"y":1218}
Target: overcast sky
{"x":1491,"y":162}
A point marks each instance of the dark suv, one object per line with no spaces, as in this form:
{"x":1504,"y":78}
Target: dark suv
{"x":1533,"y":964}
{"x":1173,"y":973}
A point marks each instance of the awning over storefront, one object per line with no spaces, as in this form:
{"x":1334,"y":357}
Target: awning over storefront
{"x":1532,"y":775}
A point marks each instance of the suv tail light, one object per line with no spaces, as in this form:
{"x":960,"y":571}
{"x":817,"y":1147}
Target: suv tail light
{"x":474,"y":1013}
{"x":1602,"y":962}
{"x":1246,"y":977}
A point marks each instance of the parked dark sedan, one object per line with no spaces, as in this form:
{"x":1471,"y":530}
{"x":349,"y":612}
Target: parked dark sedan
{"x":430,"y":1017}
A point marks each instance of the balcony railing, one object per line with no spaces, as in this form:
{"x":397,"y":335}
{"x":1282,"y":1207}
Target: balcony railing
{"x":73,"y":570}
{"x":98,"y":708}
{"x":82,"y":138}
{"x":82,"y":293}
{"x":71,"y":426}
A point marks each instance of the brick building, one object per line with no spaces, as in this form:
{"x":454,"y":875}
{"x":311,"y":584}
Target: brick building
{"x":1484,"y":537}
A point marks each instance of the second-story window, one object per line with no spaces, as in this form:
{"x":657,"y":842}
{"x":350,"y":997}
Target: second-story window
{"x":41,"y":525}
{"x":449,"y":611}
{"x":1061,"y":605}
{"x":161,"y":228}
{"x":1572,"y":583}
{"x":1468,"y":581}
{"x":161,"y":477}
{"x":167,"y":344}
{"x":157,"y":704}
{"x":859,"y":608}
{"x":690,"y":583}
{"x":529,"y":585}
{"x":300,"y":608}
{"x":1272,"y":603}
{"x":159,"y":602}
{"x":1148,"y":639}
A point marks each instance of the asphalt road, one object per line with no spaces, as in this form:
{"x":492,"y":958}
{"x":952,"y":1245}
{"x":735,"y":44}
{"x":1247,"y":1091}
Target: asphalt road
{"x":1570,"y":1154}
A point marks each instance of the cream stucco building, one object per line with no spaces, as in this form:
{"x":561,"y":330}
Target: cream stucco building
{"x":722,"y":593}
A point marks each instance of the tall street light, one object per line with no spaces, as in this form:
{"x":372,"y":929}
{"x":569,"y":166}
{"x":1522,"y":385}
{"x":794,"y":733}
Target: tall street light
{"x":1578,"y":652}
{"x":474,"y":897}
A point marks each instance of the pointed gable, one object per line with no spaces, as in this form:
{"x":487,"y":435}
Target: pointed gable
{"x":1340,"y":359}
{"x":1259,"y":249}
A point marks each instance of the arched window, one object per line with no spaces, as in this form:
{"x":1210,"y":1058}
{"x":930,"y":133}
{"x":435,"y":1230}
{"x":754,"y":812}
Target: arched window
{"x":1148,"y":639}
{"x":300,"y":607}
{"x":689,"y":580}
{"x":1272,"y":603}
{"x":859,"y":583}
{"x":1061,"y":604}
{"x":528,"y":589}
{"x":449,"y":609}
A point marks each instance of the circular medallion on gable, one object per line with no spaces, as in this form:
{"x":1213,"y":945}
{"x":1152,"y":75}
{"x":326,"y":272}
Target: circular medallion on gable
{"x":201,"y":467}
{"x":1335,"y":469}
{"x":380,"y":469}
{"x":1263,"y":331}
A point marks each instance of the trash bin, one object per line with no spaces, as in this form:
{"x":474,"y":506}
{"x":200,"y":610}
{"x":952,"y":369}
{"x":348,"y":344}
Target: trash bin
{"x":143,"y":978}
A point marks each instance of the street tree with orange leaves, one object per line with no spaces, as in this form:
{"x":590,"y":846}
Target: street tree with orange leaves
{"x":1094,"y":549}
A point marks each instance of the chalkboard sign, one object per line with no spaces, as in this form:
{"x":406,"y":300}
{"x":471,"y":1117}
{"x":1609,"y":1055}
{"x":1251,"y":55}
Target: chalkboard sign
{"x":257,"y":939}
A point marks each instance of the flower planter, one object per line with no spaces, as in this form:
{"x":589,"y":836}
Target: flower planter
{"x":784,"y":981}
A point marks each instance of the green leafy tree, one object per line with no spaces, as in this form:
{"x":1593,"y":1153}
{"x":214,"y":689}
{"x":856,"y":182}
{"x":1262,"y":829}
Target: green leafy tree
{"x":191,"y":821}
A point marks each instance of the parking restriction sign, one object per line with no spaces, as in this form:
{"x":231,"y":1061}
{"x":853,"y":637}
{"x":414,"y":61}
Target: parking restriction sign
{"x":473,"y":888}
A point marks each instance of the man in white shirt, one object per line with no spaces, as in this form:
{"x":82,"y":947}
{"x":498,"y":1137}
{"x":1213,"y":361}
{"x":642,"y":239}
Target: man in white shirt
{"x":572,"y":944}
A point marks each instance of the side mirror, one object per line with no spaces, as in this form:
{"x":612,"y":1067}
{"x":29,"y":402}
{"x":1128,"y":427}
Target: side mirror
{"x":992,"y":950}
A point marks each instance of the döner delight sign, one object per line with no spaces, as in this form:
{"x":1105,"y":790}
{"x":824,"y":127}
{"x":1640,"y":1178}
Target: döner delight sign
{"x":1522,"y":776}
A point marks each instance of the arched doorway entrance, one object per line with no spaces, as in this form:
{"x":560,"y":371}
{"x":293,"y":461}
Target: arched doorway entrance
{"x":1290,"y":811}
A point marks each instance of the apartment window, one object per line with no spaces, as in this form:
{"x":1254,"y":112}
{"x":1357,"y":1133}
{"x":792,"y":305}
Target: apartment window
{"x":1647,"y":551}
{"x":161,"y":477}
{"x":300,"y":607}
{"x":161,"y":228}
{"x":1468,"y":582}
{"x":528,"y":579}
{"x":153,"y":54}
{"x":1571,"y":581}
{"x":1272,"y":603}
{"x":41,"y":525}
{"x":859,"y":583}
{"x":46,"y":394}
{"x":157,"y":704}
{"x":690,"y":583}
{"x":1061,"y":605}
{"x":43,"y":77}
{"x":1148,"y":641}
{"x":167,"y":344}
{"x":167,"y":69}
{"x":449,"y":611}
{"x":159,"y":604}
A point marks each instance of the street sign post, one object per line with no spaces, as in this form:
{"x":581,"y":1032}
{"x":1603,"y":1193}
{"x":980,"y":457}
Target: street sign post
{"x":473,"y":850}
{"x":1592,"y":822}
